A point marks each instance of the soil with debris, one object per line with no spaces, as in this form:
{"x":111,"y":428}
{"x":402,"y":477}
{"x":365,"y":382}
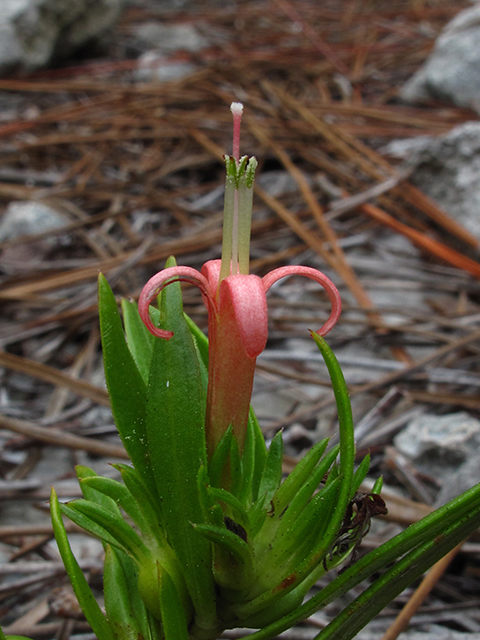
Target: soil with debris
{"x":113,"y":161}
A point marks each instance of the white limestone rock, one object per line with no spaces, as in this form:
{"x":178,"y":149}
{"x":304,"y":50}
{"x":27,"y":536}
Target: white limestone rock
{"x":440,"y":444}
{"x":35,"y":32}
{"x":27,"y":217}
{"x":452,"y":72}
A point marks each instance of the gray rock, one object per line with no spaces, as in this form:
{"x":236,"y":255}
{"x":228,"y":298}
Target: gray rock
{"x":35,"y":32}
{"x":22,"y":218}
{"x":167,"y":38}
{"x":408,"y":149}
{"x":465,"y":477}
{"x":440,"y":444}
{"x":452,"y":73}
{"x":447,"y":169}
{"x":152,"y":66}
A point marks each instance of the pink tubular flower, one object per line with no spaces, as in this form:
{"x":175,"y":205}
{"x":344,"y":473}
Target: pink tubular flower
{"x":236,"y":304}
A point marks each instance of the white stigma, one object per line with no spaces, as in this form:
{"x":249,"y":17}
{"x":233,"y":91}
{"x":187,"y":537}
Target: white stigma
{"x":236,"y":108}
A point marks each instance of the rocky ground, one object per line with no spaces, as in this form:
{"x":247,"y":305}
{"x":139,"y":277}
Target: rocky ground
{"x":112,"y":161}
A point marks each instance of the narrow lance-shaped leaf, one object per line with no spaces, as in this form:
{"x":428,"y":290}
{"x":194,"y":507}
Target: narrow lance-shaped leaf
{"x":260,"y":454}
{"x":107,"y":526}
{"x":173,"y":614}
{"x":360,"y":474}
{"x":121,"y":496}
{"x":220,"y":458}
{"x":297,"y":478}
{"x":175,"y":427}
{"x":290,"y":549}
{"x":90,"y":493}
{"x":247,"y":464}
{"x":149,"y":506}
{"x":272,"y":474}
{"x":83,"y":592}
{"x":126,"y":388}
{"x":139,"y":339}
{"x":233,"y":562}
{"x":276,"y":526}
{"x":124,"y":607}
{"x":237,"y":509}
{"x":347,"y":445}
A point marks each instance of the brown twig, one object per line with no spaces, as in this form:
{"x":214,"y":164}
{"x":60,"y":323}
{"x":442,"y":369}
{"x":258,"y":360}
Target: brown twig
{"x":61,"y":439}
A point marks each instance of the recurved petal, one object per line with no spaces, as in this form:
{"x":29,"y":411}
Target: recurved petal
{"x":332,"y":291}
{"x":158,"y":282}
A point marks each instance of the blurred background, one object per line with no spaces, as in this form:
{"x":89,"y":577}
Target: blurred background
{"x":364,"y":117}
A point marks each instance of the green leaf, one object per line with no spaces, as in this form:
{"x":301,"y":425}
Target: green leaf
{"x":272,"y":474}
{"x":247,"y":464}
{"x":148,"y":504}
{"x":124,"y":607}
{"x":268,"y":483}
{"x":260,"y":454}
{"x":281,"y":607}
{"x":139,"y":339}
{"x":119,"y":495}
{"x":377,"y":487}
{"x":345,"y":419}
{"x":347,"y":448}
{"x":304,"y":534}
{"x":212,"y":511}
{"x":220,"y":457}
{"x":84,"y":474}
{"x":174,"y":621}
{"x":360,"y":475}
{"x":298,"y":477}
{"x":346,"y":466}
{"x":233,"y":561}
{"x":106,"y":526}
{"x":235,"y":467}
{"x":200,"y":341}
{"x":289,"y":549}
{"x":155,"y":628}
{"x":175,"y":428}
{"x":281,"y":521}
{"x":84,"y":595}
{"x":127,"y":390}
{"x":237,"y":509}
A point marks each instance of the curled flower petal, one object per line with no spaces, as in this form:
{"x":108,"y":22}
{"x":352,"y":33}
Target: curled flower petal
{"x":158,"y":282}
{"x":332,"y":291}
